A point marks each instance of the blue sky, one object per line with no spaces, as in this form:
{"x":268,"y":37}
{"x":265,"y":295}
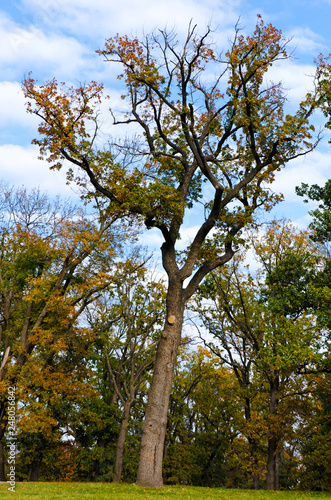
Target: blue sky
{"x":58,"y":38}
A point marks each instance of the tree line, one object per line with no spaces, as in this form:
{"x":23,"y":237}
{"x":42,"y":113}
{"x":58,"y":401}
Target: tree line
{"x":95,"y":345}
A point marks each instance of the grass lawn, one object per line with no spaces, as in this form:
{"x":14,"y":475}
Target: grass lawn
{"x":53,"y":491}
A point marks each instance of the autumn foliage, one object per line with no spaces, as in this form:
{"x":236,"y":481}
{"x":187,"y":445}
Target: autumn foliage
{"x":212,"y":131}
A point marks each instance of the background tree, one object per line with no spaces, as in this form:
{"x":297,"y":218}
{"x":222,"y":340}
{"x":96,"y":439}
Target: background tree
{"x":226,"y":302}
{"x":321,"y":227}
{"x":314,"y":439}
{"x":204,"y":418}
{"x":55,"y":260}
{"x":219,"y":143}
{"x":321,"y":223}
{"x":47,"y":395}
{"x":265,"y":329}
{"x":316,"y":434}
{"x":123,"y":324}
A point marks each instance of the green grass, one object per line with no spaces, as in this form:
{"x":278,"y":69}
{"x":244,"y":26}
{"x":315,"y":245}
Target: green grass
{"x":103,"y":491}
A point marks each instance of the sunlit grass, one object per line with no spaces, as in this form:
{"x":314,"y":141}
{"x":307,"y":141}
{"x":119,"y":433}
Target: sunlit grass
{"x":51,"y":491}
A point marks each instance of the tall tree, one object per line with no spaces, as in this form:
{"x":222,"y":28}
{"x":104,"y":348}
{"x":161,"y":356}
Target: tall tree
{"x":216,"y":142}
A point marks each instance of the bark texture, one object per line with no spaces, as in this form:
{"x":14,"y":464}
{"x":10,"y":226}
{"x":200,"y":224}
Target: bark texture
{"x":272,"y":466}
{"x":154,"y":426}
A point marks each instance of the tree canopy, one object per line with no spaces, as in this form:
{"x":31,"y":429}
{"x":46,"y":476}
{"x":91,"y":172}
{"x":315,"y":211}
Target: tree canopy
{"x":213,"y":132}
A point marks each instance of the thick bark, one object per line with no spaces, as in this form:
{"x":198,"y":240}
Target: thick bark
{"x":272,"y":469}
{"x":36,"y":464}
{"x":154,"y":426}
{"x":121,"y":442}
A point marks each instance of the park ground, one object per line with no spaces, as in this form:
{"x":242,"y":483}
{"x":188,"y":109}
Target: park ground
{"x":103,"y":491}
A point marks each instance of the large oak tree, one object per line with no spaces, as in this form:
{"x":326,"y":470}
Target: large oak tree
{"x":213,"y":134}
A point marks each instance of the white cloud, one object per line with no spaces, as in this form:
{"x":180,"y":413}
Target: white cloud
{"x":152,"y":239}
{"x":25,"y":49}
{"x":305,"y":40}
{"x":20,"y":166}
{"x":106,"y":17}
{"x":188,"y":234}
{"x":12,"y":105}
{"x":314,"y":168}
{"x":297,"y":79}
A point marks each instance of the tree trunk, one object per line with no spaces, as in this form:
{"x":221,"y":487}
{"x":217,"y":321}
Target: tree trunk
{"x":256,"y":482}
{"x":35,"y":470}
{"x":3,"y":425}
{"x":2,"y":463}
{"x":252,"y":442}
{"x":272,"y":446}
{"x":273,"y":465}
{"x":121,"y":441}
{"x":272,"y":462}
{"x":276,"y":481}
{"x":154,"y":426}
